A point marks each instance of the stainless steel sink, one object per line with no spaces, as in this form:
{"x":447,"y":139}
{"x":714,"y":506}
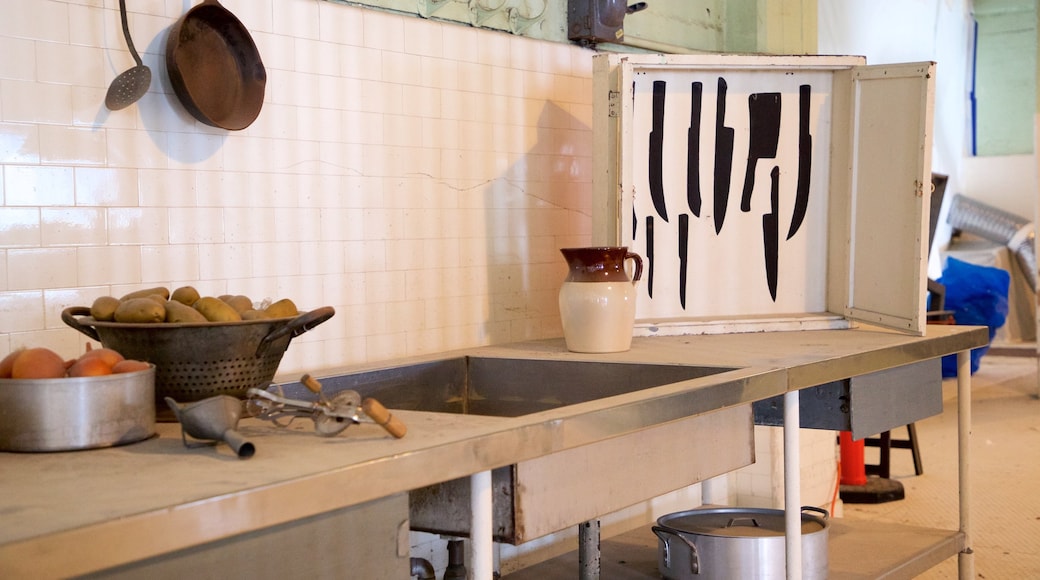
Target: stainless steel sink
{"x":513,"y":387}
{"x":502,"y":387}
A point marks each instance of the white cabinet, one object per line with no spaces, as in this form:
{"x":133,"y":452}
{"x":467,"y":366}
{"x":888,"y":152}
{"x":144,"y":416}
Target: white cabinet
{"x":763,"y":192}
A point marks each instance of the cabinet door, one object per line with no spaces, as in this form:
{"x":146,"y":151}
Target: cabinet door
{"x":892,"y":108}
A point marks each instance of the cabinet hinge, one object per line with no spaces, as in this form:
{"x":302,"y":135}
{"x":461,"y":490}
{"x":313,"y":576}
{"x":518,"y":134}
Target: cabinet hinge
{"x":613,"y":98}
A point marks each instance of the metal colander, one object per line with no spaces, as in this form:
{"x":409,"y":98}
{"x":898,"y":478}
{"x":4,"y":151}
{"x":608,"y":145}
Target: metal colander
{"x":195,"y":361}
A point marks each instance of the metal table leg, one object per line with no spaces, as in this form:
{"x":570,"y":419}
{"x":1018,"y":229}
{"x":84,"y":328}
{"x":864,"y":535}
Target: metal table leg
{"x":792,"y":485}
{"x":966,"y":559}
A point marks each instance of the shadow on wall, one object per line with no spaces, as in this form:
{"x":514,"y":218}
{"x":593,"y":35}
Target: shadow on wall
{"x":539,"y":204}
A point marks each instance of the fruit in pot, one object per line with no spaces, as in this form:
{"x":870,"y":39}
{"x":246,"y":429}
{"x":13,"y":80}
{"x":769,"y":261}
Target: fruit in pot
{"x":109,"y":356}
{"x":186,"y":295}
{"x":37,"y":363}
{"x":130,"y":366}
{"x":216,"y":310}
{"x":177,"y":312}
{"x":104,"y":308}
{"x":160,"y":290}
{"x":140,"y":310}
{"x":8,"y":363}
{"x":284,"y":308}
{"x":90,"y":367}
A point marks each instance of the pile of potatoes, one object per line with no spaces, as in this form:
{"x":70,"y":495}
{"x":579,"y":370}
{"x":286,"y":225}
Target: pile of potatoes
{"x":184,"y":305}
{"x":44,"y":363}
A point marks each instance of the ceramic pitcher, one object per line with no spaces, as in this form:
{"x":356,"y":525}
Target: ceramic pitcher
{"x":598,"y":299}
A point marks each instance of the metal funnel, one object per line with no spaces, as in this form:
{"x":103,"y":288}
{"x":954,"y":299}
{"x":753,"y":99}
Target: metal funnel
{"x":213,"y":419}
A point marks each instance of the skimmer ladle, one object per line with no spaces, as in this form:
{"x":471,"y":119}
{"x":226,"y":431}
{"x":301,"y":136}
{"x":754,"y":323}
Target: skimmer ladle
{"x":133,"y":83}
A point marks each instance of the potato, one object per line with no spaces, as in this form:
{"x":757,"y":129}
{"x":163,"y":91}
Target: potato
{"x":284,"y":308}
{"x":180,"y":312}
{"x":140,"y":310}
{"x":161,"y":290}
{"x":239,"y":302}
{"x":252,"y":314}
{"x":216,"y":310}
{"x":104,"y":308}
{"x":186,"y":295}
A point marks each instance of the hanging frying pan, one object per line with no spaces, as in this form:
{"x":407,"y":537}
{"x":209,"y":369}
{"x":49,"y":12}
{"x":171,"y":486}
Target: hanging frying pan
{"x":215,"y":68}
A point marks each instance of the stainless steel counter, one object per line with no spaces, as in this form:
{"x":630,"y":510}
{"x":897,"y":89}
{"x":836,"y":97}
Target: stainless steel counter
{"x":78,"y":512}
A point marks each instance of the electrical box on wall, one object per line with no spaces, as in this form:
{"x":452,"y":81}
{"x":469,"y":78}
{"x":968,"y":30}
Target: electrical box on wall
{"x":592,"y":21}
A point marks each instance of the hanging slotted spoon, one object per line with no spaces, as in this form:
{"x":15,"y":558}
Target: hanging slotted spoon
{"x":133,"y":83}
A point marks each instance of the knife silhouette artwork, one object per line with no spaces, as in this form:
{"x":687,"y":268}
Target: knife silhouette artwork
{"x":684,"y":236}
{"x":764,"y":136}
{"x":801,"y":199}
{"x":656,"y":156}
{"x":723,"y":157}
{"x":771,"y":232}
{"x":693,"y":151}
{"x":650,"y":256}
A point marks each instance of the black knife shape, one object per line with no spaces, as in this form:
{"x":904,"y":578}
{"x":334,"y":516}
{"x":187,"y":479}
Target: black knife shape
{"x":684,"y":236}
{"x":656,"y":155}
{"x":771,"y":231}
{"x":693,"y":151}
{"x":650,"y":256}
{"x":764,"y":136}
{"x":723,"y":157}
{"x":801,"y":199}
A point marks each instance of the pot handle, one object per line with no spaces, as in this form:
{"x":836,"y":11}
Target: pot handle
{"x":296,"y":327}
{"x":695,"y":562}
{"x":824,"y":513}
{"x":638,"y":261}
{"x":68,"y":316}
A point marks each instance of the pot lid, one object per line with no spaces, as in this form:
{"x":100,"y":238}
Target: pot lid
{"x":737,"y":522}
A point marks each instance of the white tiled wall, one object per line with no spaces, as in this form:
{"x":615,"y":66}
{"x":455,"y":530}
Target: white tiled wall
{"x":417,"y":176}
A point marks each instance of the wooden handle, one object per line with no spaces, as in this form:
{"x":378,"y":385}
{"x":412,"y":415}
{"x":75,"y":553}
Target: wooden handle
{"x":378,"y":413}
{"x":311,"y":383}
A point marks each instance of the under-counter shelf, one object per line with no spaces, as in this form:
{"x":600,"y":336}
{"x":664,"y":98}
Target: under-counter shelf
{"x":896,"y":551}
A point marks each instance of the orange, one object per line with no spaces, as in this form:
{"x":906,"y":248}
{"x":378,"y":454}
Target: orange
{"x":38,"y":363}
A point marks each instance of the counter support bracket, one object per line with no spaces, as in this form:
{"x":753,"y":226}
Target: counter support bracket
{"x":792,"y":485}
{"x":966,"y":558}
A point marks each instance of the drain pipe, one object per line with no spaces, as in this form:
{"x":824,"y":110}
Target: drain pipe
{"x":422,"y":568}
{"x":456,"y":569}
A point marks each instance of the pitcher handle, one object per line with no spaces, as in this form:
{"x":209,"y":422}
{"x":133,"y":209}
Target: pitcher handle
{"x":639,"y":265}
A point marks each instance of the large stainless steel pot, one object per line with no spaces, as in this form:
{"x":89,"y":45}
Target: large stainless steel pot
{"x":746,"y":543}
{"x":76,"y":412}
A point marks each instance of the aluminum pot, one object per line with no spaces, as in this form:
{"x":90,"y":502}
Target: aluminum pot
{"x":75,"y":413}
{"x":746,"y":543}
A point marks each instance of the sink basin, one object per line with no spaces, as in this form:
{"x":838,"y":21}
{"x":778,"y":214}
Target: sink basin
{"x":502,"y":387}
{"x":514,"y":387}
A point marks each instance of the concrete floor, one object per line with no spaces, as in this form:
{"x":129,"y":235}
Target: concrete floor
{"x":1005,"y":478}
{"x":1005,"y":472}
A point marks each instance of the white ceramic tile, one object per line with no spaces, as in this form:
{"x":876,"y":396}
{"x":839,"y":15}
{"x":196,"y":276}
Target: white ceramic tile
{"x":108,"y":265}
{"x":363,"y":63}
{"x":254,"y":14}
{"x":401,"y":68}
{"x":190,"y":151}
{"x":316,"y":57}
{"x":21,"y":311}
{"x":341,"y":24}
{"x":65,"y":145}
{"x":222,"y":189}
{"x":423,"y":37}
{"x":276,"y":50}
{"x":20,"y":227}
{"x":138,"y":225}
{"x":3,"y":277}
{"x":19,"y":143}
{"x":72,"y":65}
{"x":314,"y":124}
{"x":41,"y":268}
{"x":32,"y":186}
{"x":297,"y":18}
{"x":440,"y":73}
{"x":162,"y":263}
{"x":54,"y":301}
{"x":231,"y":261}
{"x":23,"y":68}
{"x":158,"y":187}
{"x":31,"y":102}
{"x":383,"y":30}
{"x":475,"y":77}
{"x":493,"y":49}
{"x":385,"y":287}
{"x":460,"y":43}
{"x":131,"y":148}
{"x":72,"y":226}
{"x":196,"y":225}
{"x":35,"y":19}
